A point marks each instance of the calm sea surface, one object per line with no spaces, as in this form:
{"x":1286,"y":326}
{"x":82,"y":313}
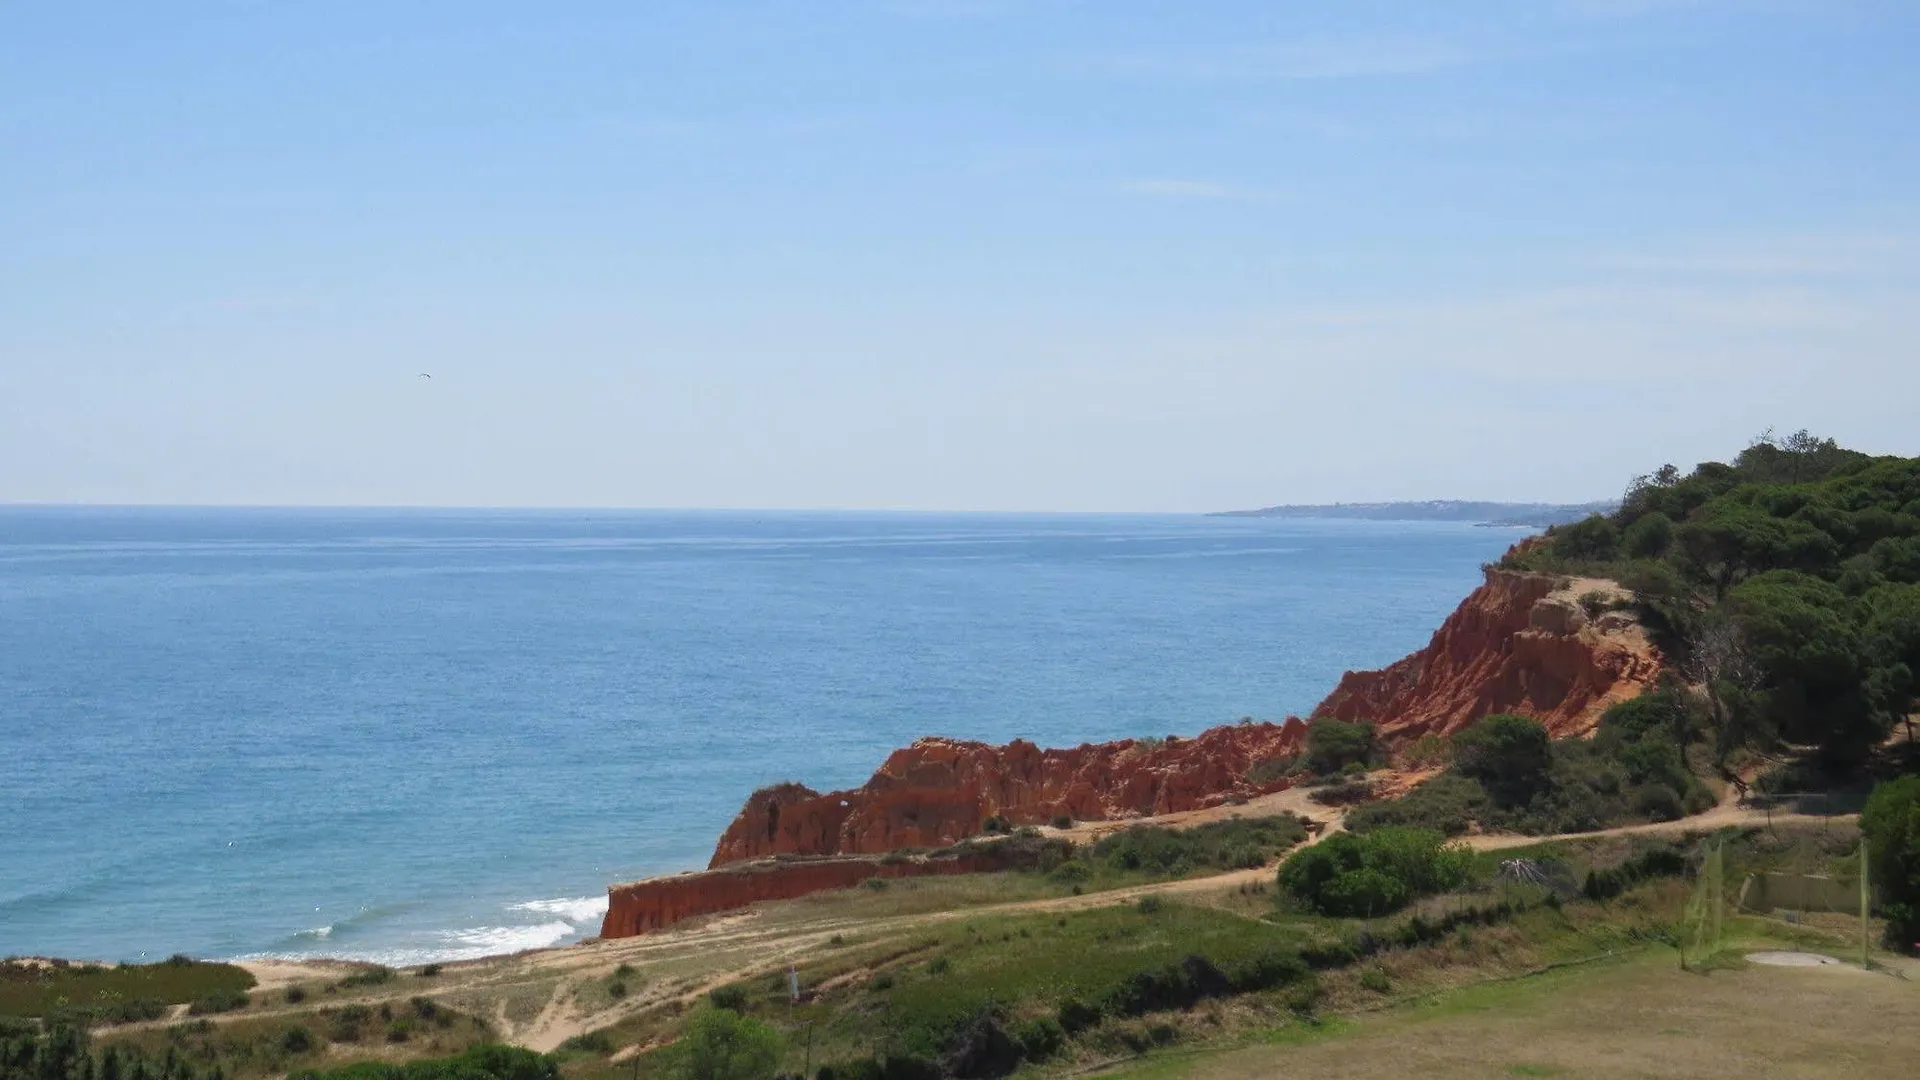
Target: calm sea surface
{"x":418,"y":734}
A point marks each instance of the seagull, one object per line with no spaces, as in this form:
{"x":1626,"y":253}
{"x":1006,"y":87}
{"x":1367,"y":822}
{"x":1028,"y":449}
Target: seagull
{"x":424,"y":375}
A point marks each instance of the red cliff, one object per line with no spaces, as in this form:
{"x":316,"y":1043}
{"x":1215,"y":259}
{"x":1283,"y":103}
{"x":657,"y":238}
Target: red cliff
{"x":938,"y":791}
{"x":1521,"y":643}
{"x":660,"y":902}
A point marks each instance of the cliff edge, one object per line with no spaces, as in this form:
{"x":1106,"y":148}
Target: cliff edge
{"x":1520,"y":643}
{"x":940,"y":791}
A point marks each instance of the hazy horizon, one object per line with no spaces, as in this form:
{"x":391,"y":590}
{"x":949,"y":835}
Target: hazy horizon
{"x":955,"y":255}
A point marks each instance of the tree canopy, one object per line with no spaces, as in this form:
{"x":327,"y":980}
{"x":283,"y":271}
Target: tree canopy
{"x":1787,"y":582}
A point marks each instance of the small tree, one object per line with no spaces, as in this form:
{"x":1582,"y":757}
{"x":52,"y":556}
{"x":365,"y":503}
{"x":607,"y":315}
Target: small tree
{"x":1332,"y":745}
{"x":1891,"y":823}
{"x":1510,"y":756}
{"x":720,"y":1044}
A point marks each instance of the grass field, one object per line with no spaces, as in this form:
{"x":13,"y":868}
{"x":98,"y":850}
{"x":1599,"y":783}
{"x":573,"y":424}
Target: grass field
{"x":1639,"y":1017}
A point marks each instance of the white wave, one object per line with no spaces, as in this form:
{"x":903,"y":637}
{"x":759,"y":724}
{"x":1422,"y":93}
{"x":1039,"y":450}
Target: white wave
{"x":577,"y":910}
{"x":495,"y":940}
{"x":319,"y":932}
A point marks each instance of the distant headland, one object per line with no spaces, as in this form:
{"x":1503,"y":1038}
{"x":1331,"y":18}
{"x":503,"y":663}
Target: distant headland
{"x":1479,"y":513}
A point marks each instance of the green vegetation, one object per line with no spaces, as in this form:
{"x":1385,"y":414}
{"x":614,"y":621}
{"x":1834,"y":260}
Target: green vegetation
{"x":374,"y":975}
{"x":1235,"y":844}
{"x":479,"y":1063}
{"x":1001,"y":993}
{"x":721,"y":1044}
{"x":1788,"y":585}
{"x":1891,"y":824}
{"x":1375,"y":874}
{"x":1333,"y":745}
{"x":83,"y":994}
{"x":63,"y":1052}
{"x":1507,"y":775}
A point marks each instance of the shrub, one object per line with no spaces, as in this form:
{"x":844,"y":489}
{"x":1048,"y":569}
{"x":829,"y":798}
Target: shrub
{"x":616,"y":989}
{"x":1891,"y":825}
{"x":295,"y":995}
{"x":1375,"y":979}
{"x":218,"y":1002}
{"x":880,"y":983}
{"x":997,"y":824}
{"x":1151,"y":905}
{"x":1267,"y":970}
{"x":1656,"y":862}
{"x":1332,"y":745}
{"x":729,"y":999}
{"x":1076,"y":1016}
{"x":940,"y":966}
{"x":720,"y":1044}
{"x":1374,"y":874}
{"x":373,"y":976}
{"x":1509,"y":755}
{"x":296,"y":1040}
{"x":593,"y":1042}
{"x":1175,"y":986}
{"x":1040,"y":1038}
{"x":1062,"y":821}
{"x":429,"y":971}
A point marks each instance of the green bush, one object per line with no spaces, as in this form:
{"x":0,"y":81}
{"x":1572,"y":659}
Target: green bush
{"x":593,"y":1042}
{"x":1333,"y":745}
{"x":1267,"y":970}
{"x":296,"y":1040}
{"x":372,"y":976}
{"x":1040,"y":1038}
{"x":729,"y":998}
{"x":1375,"y":874}
{"x":1062,"y":821}
{"x":1891,"y":825}
{"x":720,"y":1044}
{"x":218,"y":1002}
{"x":1076,"y":1016}
{"x":1511,"y":756}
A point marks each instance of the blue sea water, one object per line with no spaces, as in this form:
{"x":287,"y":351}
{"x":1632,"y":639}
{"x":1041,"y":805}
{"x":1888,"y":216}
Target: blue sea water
{"x":417,"y":735}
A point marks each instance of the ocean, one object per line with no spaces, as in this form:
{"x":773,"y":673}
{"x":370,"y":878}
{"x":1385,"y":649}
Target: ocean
{"x":409,"y":736}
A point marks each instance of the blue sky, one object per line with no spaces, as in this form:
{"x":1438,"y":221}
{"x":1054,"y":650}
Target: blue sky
{"x":945,"y":254}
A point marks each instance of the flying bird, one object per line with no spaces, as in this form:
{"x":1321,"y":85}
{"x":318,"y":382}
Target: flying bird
{"x":424,"y":375}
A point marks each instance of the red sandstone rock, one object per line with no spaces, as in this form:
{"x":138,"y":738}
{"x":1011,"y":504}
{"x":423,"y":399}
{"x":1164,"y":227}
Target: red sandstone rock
{"x":1518,"y":644}
{"x":938,"y":791}
{"x":660,"y":902}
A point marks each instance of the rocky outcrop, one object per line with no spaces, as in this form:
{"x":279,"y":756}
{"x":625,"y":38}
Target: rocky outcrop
{"x":1521,"y":643}
{"x":661,"y":902}
{"x":939,"y":791}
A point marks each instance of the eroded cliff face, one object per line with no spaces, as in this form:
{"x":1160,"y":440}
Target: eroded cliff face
{"x":939,"y":791}
{"x":660,"y":902}
{"x":1520,"y":643}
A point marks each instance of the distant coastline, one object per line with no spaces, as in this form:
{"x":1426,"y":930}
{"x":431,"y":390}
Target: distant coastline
{"x":1518,"y":515}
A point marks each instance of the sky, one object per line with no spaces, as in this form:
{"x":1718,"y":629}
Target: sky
{"x":1034,"y":255}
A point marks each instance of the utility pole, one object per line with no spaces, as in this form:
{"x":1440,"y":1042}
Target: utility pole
{"x":806,"y":1070}
{"x":1866,"y":909}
